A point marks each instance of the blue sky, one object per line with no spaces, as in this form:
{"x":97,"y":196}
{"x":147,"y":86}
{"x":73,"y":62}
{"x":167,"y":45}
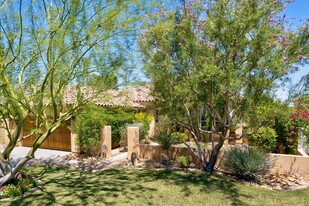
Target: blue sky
{"x":300,"y":10}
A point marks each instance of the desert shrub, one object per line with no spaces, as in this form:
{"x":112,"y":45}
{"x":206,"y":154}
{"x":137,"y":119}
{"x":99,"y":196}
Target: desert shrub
{"x":165,"y":140}
{"x":165,"y":124}
{"x":184,"y":161}
{"x":179,"y":137}
{"x":123,"y":142}
{"x":143,"y":120}
{"x":246,"y":163}
{"x":265,"y":139}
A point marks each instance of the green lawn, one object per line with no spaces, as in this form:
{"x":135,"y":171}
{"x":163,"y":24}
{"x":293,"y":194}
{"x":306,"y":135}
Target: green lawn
{"x":148,"y":187}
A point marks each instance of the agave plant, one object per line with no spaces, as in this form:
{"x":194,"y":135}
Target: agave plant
{"x":246,"y":163}
{"x":165,"y":140}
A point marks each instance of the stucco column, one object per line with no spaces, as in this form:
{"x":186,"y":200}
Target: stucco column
{"x":133,"y":140}
{"x":74,"y":147}
{"x":106,"y":137}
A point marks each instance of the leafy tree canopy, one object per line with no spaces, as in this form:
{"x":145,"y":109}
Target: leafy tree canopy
{"x":222,"y":59}
{"x":49,"y":51}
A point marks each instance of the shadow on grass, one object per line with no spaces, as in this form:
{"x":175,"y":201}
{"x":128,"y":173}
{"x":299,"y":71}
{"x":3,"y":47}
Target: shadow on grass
{"x":207,"y":182}
{"x":72,"y":187}
{"x":120,"y":186}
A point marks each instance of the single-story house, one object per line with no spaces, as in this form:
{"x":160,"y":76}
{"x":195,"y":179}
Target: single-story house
{"x":137,"y":97}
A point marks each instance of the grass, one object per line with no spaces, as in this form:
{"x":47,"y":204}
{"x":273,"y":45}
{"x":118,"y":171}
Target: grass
{"x":148,"y":187}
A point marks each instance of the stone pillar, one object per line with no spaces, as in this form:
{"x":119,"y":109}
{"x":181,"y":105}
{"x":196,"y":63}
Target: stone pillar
{"x":74,"y":147}
{"x":106,"y":141}
{"x":133,"y":141}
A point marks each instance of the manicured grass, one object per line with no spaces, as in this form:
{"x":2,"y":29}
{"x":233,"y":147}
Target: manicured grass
{"x":148,"y":187}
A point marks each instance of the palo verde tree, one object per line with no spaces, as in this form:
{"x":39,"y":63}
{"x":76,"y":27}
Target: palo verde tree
{"x":48,"y":51}
{"x":220,"y":60}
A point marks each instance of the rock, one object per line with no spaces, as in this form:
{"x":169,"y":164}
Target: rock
{"x":291,"y":179}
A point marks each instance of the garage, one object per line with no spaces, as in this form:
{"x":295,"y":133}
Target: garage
{"x":58,"y":140}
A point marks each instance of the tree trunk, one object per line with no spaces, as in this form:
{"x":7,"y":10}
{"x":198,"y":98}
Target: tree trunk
{"x":6,"y":178}
{"x":212,"y":160}
{"x":214,"y":155}
{"x":13,"y":171}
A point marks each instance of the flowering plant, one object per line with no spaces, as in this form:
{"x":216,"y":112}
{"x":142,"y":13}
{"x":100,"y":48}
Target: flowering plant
{"x":17,"y":187}
{"x":300,"y":120}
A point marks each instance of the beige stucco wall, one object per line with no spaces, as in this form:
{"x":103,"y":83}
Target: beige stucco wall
{"x":291,"y":164}
{"x":154,"y":152}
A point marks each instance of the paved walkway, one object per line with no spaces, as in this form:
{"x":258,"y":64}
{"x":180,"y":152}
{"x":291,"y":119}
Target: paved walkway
{"x":58,"y":158}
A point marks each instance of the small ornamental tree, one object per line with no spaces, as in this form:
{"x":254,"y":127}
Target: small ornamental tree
{"x":45,"y":48}
{"x":220,"y":60}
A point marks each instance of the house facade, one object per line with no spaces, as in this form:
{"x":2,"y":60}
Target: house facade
{"x":64,"y":138}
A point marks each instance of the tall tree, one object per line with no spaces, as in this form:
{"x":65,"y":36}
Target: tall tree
{"x":47,"y":52}
{"x":220,"y":59}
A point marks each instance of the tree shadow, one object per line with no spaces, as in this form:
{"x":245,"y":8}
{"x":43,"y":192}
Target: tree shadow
{"x":208,"y":182}
{"x":73,"y":187}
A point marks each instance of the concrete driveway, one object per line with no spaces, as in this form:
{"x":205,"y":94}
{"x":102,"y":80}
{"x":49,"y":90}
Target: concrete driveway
{"x":41,"y":155}
{"x":19,"y":152}
{"x":55,"y":157}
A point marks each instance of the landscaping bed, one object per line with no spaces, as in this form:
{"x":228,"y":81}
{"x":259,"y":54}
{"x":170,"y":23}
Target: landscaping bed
{"x":274,"y":181}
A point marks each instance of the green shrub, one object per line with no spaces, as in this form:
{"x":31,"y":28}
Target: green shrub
{"x":179,"y":137}
{"x":265,"y":139}
{"x":246,"y":163}
{"x":184,"y":161}
{"x":117,"y":118}
{"x":88,"y":127}
{"x":90,"y":121}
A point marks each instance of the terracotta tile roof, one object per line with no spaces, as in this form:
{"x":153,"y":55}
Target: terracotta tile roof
{"x":133,"y":96}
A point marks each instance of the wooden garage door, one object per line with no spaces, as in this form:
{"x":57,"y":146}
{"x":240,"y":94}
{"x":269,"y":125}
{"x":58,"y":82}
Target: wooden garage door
{"x":58,"y":140}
